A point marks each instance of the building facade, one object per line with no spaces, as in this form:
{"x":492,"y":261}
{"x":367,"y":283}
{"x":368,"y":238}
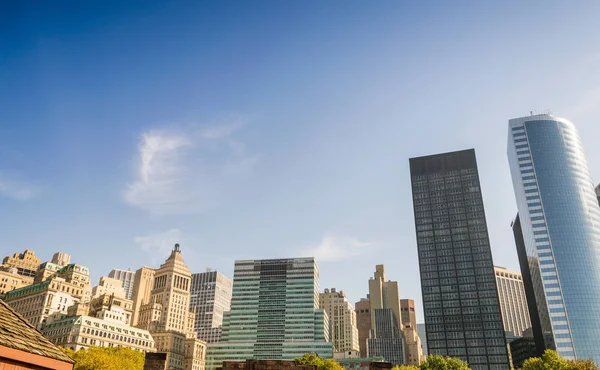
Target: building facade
{"x":167,"y":317}
{"x":408,"y":314}
{"x":343,"y":332}
{"x":363,"y":323}
{"x":460,"y":297}
{"x":61,"y":259}
{"x":383,"y":294}
{"x":389,"y":341}
{"x":598,"y":193}
{"x":210,"y":298}
{"x":513,"y":303}
{"x":142,"y":287}
{"x":25,"y":263}
{"x":274,"y":313}
{"x":10,"y":280}
{"x":423,"y":335}
{"x":127,"y":278}
{"x":559,"y":219}
{"x":414,"y":349}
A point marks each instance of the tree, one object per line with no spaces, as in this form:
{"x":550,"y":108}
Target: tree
{"x":405,"y":367}
{"x":322,"y":364}
{"x":106,"y":358}
{"x":552,"y":361}
{"x":444,"y":363}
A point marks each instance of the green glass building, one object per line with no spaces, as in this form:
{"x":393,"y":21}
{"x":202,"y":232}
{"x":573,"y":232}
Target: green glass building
{"x":274,"y":313}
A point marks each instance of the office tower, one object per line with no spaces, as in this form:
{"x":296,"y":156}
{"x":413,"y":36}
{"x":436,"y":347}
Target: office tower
{"x":460,"y":298}
{"x":142,"y":287}
{"x":383,"y":294}
{"x":167,"y":316}
{"x":210,"y":298}
{"x":61,"y":259}
{"x":384,"y":298}
{"x":388,"y":341}
{"x":408,"y":318}
{"x":559,"y":221}
{"x":127,"y":278}
{"x":363,"y":323}
{"x":342,"y":320}
{"x":423,"y":335}
{"x":274,"y":313}
{"x":513,"y":303}
{"x":26,"y":264}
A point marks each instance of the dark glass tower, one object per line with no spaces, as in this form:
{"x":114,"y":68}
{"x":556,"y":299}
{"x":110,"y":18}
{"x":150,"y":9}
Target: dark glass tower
{"x":460,"y":298}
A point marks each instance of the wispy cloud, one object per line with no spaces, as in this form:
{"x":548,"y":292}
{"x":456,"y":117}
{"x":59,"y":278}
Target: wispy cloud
{"x":335,"y":247}
{"x":187,"y":169}
{"x":159,"y":246}
{"x":15,"y":188}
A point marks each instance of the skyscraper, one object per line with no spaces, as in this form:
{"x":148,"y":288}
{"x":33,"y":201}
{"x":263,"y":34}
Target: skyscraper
{"x":408,"y":313}
{"x":127,"y":279}
{"x":342,"y":320}
{"x":274,"y":313}
{"x":167,"y":316}
{"x":143,"y":282}
{"x":414,"y":350}
{"x":460,"y":298}
{"x":560,"y":223}
{"x":210,"y":298}
{"x":363,"y":322}
{"x":385,"y":338}
{"x":513,"y":302}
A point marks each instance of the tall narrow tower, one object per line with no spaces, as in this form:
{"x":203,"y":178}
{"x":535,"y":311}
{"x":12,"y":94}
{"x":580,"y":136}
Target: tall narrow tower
{"x":559,"y":223}
{"x":460,"y":298}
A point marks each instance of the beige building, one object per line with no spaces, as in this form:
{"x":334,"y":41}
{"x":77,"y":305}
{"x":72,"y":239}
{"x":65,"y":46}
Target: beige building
{"x":414,"y":350}
{"x":342,"y":320}
{"x":408,"y":313}
{"x":46,"y":270}
{"x":61,"y":259}
{"x":383,"y":294}
{"x":10,"y":280}
{"x":109,"y":286}
{"x":26,"y":260}
{"x":106,"y":330}
{"x":142,"y":287}
{"x":38,"y":301}
{"x":167,"y":316}
{"x":363,"y":323}
{"x":513,"y":303}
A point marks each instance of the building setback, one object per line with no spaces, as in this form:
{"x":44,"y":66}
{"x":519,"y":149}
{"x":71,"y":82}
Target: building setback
{"x":127,"y":278}
{"x":210,"y":298}
{"x":274,"y":313}
{"x":389,"y":342}
{"x":460,"y":298}
{"x":513,"y":302}
{"x":559,"y":238}
{"x":342,"y":320}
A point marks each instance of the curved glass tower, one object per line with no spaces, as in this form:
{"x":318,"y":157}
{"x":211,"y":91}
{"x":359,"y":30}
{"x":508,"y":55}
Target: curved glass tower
{"x":560,"y":221}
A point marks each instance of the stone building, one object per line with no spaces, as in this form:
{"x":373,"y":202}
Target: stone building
{"x":142,"y":287}
{"x":363,"y":323}
{"x":342,"y":320}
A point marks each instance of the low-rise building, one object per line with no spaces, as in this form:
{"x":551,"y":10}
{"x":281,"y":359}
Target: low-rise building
{"x":108,"y":330}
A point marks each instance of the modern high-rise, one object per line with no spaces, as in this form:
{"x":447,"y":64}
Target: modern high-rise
{"x":127,"y":278}
{"x":460,"y":298}
{"x":167,"y":316}
{"x":210,"y":298}
{"x":342,"y":320}
{"x":142,"y":287}
{"x":513,"y":302}
{"x":274,"y":313}
{"x":363,"y":323}
{"x":559,"y":219}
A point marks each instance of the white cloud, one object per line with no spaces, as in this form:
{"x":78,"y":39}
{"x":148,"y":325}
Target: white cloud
{"x":187,"y":170}
{"x":14,"y":188}
{"x":334,"y":247}
{"x":159,"y":246}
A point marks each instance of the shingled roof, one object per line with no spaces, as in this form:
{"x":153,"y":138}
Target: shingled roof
{"x":17,"y":333}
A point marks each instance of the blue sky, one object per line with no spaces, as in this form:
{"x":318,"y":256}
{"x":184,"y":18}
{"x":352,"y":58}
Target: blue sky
{"x":270,"y":129}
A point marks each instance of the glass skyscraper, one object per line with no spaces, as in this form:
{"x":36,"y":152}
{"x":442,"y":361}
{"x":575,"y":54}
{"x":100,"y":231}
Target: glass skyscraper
{"x":274,"y":313}
{"x":460,"y":298}
{"x":560,"y":227}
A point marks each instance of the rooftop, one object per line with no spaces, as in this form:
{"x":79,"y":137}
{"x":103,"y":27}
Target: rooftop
{"x":17,"y":333}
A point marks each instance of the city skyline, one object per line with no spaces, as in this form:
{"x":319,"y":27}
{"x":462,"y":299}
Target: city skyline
{"x":301,"y":128}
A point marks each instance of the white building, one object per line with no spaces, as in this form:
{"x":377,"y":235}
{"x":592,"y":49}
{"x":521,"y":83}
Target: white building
{"x":513,"y":303}
{"x":342,"y":320}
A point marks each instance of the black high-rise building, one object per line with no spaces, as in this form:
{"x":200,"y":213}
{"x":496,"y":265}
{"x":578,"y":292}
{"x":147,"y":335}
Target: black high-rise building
{"x":460,"y":298}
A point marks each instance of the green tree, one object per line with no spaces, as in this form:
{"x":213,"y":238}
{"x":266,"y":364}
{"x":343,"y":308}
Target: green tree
{"x":405,"y":367}
{"x":322,"y":364}
{"x":444,"y":363}
{"x":103,"y":358}
{"x":552,"y":361}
